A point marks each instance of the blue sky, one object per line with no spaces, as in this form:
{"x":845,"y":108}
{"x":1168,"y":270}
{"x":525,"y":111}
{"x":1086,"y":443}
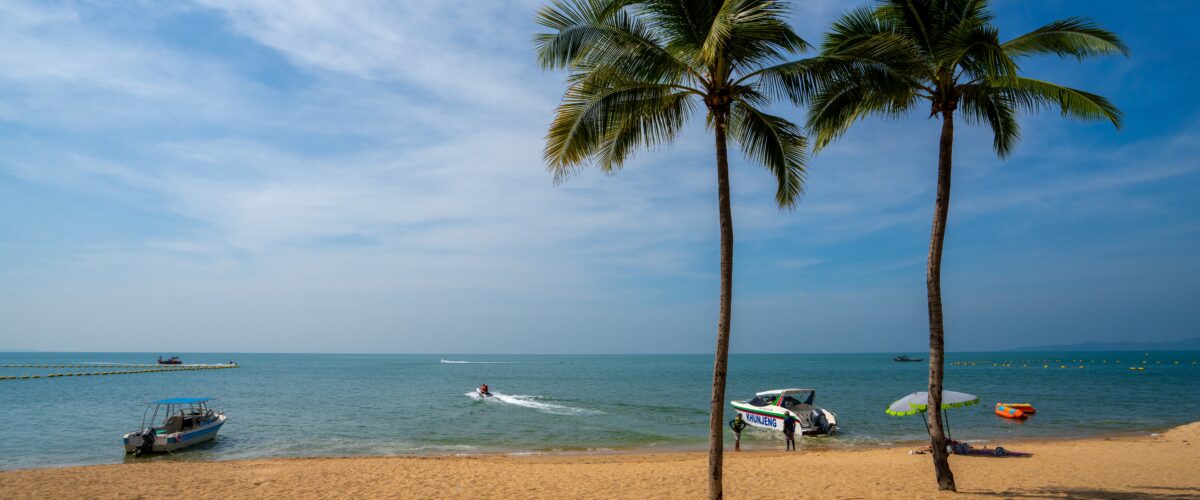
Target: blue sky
{"x":366,"y":177}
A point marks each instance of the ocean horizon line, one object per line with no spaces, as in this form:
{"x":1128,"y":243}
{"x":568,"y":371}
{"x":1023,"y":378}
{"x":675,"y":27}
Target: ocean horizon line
{"x":757,"y":353}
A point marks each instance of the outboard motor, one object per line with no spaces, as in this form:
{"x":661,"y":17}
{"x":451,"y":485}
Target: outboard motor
{"x":147,"y":444}
{"x":819,"y":421}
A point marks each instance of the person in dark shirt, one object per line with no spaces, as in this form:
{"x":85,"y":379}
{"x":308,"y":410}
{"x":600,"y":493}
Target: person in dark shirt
{"x":737,"y":424}
{"x":789,"y":431}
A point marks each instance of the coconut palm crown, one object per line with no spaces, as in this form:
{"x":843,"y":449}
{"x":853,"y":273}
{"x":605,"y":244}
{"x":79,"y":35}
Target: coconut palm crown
{"x":639,"y":69}
{"x":888,"y":59}
{"x":900,"y":55}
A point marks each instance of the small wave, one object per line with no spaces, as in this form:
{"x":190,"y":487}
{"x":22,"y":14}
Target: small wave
{"x":531,"y":402}
{"x":457,"y":362}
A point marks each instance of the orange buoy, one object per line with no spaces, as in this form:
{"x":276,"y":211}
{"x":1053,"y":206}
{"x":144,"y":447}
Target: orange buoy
{"x":1009,"y":412}
{"x":1025,"y":408}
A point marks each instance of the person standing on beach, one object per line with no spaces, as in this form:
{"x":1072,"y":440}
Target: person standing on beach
{"x":789,"y":431}
{"x":737,"y":424}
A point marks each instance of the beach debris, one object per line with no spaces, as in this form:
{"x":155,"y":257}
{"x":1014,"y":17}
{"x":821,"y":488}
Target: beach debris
{"x":999,"y":451}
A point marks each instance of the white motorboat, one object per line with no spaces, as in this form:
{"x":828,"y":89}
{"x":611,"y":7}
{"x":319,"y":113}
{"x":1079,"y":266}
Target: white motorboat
{"x":174,"y":424}
{"x":768,"y":409}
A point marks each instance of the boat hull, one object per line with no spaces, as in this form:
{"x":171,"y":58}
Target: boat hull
{"x":178,"y":440}
{"x":771,"y":418}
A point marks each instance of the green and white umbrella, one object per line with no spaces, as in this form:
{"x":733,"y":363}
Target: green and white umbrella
{"x":918,"y":402}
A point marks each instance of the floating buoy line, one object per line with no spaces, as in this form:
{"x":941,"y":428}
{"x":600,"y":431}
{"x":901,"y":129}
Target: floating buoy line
{"x":144,"y":368}
{"x":1070,"y":363}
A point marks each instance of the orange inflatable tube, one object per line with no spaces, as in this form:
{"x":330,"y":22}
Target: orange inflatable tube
{"x":1009,"y":412}
{"x":1024,"y":407}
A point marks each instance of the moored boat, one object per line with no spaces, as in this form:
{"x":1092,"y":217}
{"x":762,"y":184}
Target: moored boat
{"x":173,"y":424}
{"x":768,"y":408}
{"x":174,"y":360}
{"x":906,"y":359}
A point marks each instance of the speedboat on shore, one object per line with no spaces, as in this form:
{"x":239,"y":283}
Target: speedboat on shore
{"x":768,"y":409}
{"x":174,"y":424}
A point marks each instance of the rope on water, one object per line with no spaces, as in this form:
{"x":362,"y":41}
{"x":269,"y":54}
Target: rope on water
{"x":176,"y":368}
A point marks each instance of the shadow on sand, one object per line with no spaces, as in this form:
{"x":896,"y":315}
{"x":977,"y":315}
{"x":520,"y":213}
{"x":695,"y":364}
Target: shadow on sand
{"x":1097,"y":493}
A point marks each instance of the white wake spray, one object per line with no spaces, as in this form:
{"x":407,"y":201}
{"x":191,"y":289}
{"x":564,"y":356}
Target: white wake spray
{"x":531,"y":402}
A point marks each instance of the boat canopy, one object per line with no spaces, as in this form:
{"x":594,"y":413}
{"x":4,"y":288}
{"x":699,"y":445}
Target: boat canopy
{"x":777,"y":392}
{"x":181,"y":401}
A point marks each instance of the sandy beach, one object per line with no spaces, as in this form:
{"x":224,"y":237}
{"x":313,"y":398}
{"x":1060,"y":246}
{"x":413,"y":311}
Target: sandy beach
{"x":1165,"y":466}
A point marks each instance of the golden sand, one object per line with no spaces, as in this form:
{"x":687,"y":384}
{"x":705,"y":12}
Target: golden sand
{"x":1166,"y":466}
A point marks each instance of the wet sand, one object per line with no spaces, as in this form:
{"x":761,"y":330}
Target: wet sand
{"x":1166,"y":466}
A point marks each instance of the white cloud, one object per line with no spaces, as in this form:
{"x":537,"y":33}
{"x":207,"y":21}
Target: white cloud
{"x":393,"y":187}
{"x":418,"y":43}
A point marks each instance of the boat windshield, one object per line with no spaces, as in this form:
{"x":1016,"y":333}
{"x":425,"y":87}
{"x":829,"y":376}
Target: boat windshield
{"x":805,"y":398}
{"x":793,"y":403}
{"x":762,"y":400}
{"x":174,"y":415}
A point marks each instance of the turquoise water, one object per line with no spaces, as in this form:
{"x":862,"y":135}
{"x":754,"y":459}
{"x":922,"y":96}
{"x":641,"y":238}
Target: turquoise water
{"x":282,"y":405}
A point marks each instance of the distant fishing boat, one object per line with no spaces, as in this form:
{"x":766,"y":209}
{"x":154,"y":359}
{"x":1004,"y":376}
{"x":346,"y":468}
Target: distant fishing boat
{"x":768,"y":409}
{"x":174,"y":360}
{"x":906,"y":359}
{"x":181,"y":422}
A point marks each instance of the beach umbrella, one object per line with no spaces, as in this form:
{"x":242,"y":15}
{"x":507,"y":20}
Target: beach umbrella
{"x":918,"y":402}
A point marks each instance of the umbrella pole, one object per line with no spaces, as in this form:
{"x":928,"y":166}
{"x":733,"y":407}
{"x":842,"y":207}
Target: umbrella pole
{"x":925,"y":418}
{"x":948,"y":426}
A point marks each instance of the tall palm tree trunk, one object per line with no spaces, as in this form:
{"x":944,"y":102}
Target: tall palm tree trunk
{"x":716,"y":425}
{"x":933,"y":282}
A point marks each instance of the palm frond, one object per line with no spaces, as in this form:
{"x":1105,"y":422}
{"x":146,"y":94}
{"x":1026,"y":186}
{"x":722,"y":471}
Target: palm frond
{"x":915,"y":19}
{"x":798,"y":80}
{"x":871,"y":90}
{"x":604,"y":39}
{"x":683,"y":24}
{"x":975,"y":48}
{"x":975,"y":9}
{"x":774,"y":142}
{"x":1074,"y":36}
{"x":984,"y":104}
{"x":605,"y":120}
{"x":1033,"y":95}
{"x":652,"y":122}
{"x":749,"y":32}
{"x":576,"y":25}
{"x":853,"y":26}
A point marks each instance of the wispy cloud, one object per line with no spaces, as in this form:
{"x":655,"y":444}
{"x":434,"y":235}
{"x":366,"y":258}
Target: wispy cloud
{"x":368,"y":176}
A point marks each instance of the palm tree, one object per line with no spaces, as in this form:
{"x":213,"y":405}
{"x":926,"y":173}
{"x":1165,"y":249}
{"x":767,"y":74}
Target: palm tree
{"x":887,"y":59}
{"x":638,"y":69}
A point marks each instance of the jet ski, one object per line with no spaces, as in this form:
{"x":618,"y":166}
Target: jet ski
{"x":482,"y":393}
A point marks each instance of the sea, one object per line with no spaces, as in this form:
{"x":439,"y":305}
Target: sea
{"x":296,"y":405}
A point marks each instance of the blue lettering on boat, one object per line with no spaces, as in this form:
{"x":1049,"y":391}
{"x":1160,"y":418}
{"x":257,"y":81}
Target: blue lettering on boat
{"x":761,"y":420}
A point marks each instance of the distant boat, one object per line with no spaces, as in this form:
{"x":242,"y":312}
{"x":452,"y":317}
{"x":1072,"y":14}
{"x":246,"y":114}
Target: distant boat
{"x":173,"y":361}
{"x":906,"y":359}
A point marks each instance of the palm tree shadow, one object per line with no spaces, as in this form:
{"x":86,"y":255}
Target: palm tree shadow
{"x":1163,"y":492}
